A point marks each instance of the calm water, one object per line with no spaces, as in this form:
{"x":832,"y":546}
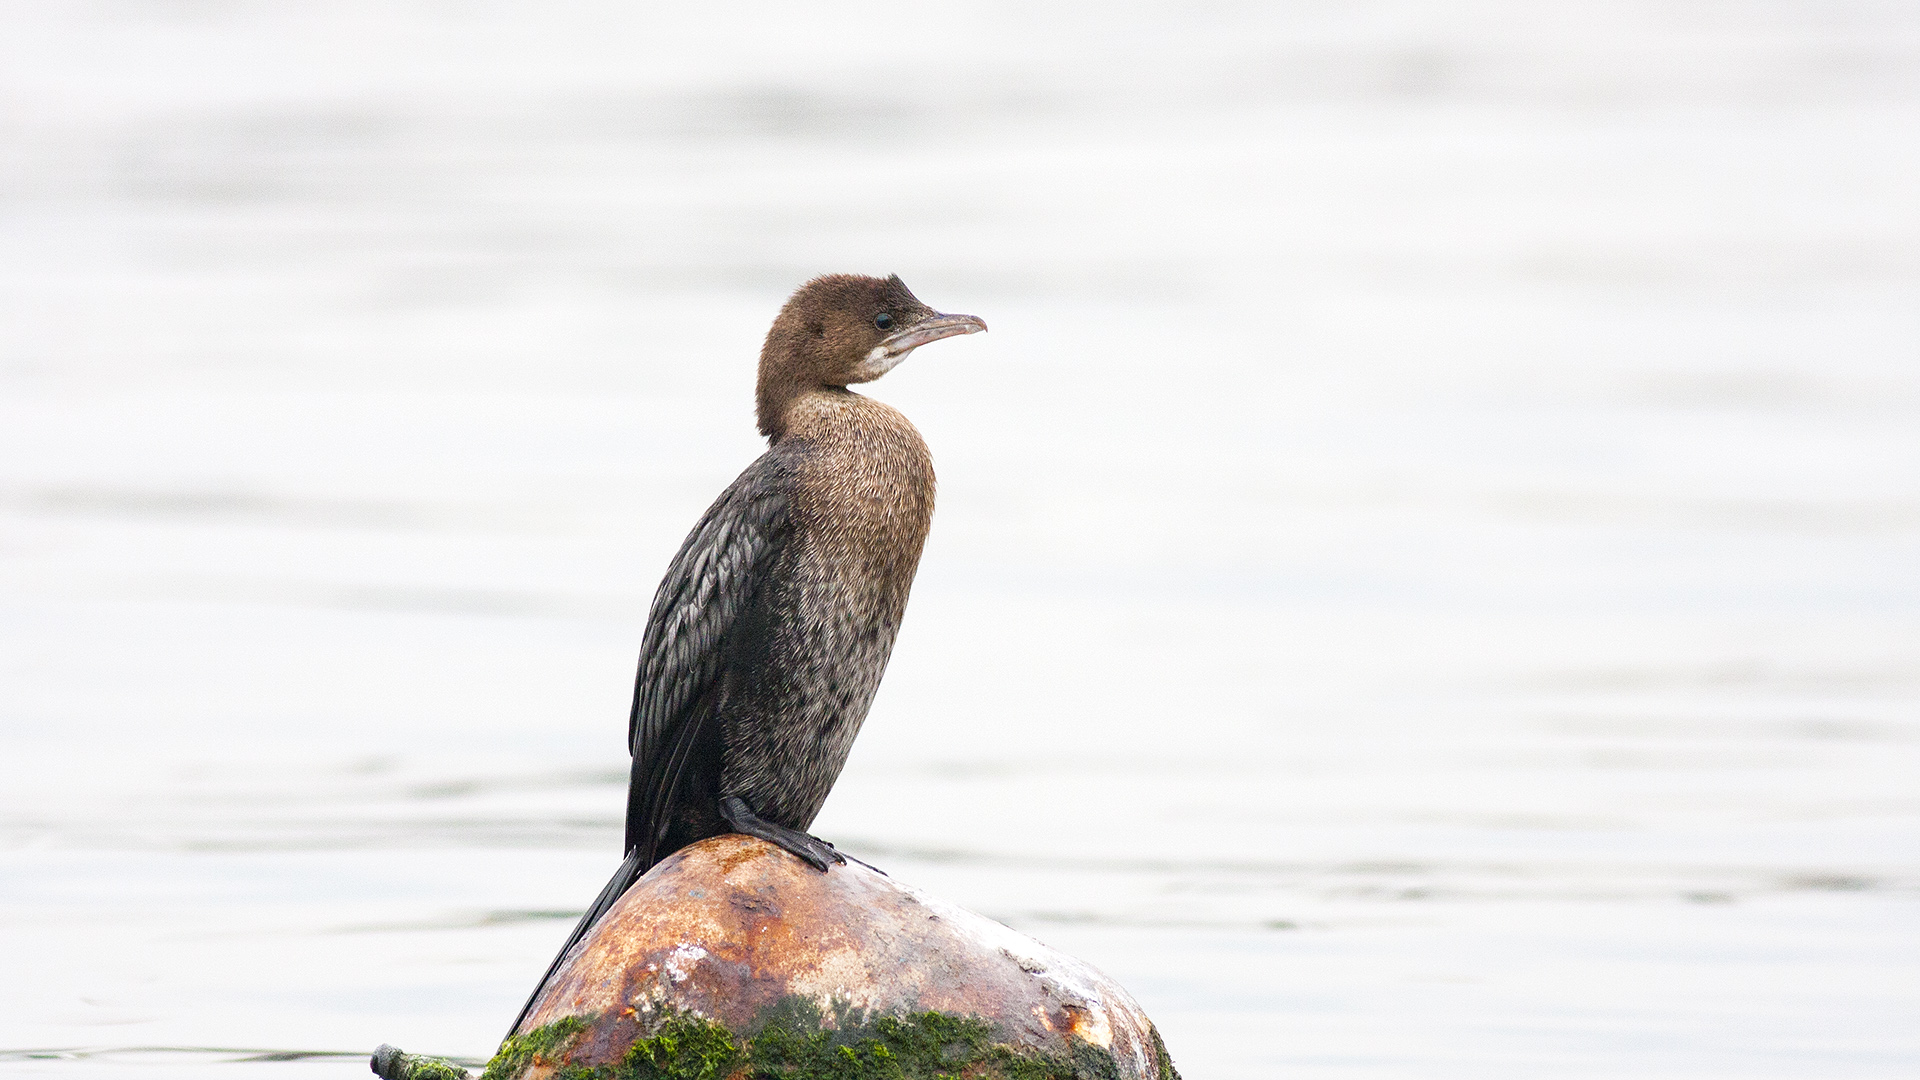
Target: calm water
{"x":1427,"y":576}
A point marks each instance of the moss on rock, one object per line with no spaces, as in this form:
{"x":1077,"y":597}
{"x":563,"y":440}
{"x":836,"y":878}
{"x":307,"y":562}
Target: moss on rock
{"x":926,"y":1045}
{"x":544,"y":1043}
{"x":1167,"y":1071}
{"x":682,"y":1048}
{"x":797,"y":1043}
{"x":392,"y":1063}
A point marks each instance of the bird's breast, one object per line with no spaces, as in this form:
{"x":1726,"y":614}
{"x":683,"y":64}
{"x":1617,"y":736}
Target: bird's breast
{"x":862,"y":502}
{"x":865,"y":500}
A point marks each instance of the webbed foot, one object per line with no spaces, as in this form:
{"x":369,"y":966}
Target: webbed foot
{"x":812,"y":850}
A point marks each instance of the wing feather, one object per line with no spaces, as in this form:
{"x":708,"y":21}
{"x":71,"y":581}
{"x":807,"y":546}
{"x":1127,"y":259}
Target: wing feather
{"x":707,"y":589}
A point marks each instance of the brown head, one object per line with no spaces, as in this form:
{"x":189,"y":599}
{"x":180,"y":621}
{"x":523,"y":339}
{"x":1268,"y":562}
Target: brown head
{"x":842,"y":329}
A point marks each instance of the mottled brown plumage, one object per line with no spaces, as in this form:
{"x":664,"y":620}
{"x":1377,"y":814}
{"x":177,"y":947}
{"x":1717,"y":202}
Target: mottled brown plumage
{"x":770,"y":632}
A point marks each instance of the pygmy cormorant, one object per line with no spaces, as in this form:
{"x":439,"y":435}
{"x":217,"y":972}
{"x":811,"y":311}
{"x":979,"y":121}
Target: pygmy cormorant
{"x":769,"y":634}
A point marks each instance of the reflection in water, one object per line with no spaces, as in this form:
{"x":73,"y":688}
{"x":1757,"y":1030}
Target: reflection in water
{"x":187,"y":1057}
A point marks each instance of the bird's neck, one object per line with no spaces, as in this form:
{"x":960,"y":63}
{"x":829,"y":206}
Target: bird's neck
{"x":821,"y":412}
{"x":772,"y":397}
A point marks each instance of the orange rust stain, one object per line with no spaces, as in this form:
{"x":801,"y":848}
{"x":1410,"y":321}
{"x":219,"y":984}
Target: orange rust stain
{"x":1078,"y":1019}
{"x":739,"y":854}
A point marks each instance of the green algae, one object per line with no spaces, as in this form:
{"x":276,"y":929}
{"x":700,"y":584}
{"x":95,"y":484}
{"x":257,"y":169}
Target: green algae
{"x":545,"y":1042}
{"x":396,"y":1064}
{"x":920,"y":1046}
{"x":796,"y":1042}
{"x":1167,"y":1071}
{"x":683,"y":1047}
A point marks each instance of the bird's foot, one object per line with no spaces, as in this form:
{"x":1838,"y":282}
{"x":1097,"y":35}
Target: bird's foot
{"x":812,"y":850}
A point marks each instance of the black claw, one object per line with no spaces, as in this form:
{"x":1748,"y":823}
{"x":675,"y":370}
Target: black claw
{"x":843,"y":857}
{"x":806,"y":847}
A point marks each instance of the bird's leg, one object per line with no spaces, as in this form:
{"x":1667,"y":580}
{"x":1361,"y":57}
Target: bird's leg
{"x":816,"y":852}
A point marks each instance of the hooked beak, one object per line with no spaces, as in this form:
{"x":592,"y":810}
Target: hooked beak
{"x":895,"y":347}
{"x":929,"y":329}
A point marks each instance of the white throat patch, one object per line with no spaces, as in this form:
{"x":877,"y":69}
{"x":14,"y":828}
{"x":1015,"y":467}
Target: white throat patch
{"x":878,"y":362}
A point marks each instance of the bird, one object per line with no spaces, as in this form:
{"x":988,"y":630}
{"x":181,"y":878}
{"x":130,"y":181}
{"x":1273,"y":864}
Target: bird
{"x":768,"y":636}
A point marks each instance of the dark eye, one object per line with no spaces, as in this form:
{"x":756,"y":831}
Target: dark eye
{"x":883,"y":320}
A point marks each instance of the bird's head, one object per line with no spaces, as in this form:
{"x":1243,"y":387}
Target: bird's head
{"x":842,"y":329}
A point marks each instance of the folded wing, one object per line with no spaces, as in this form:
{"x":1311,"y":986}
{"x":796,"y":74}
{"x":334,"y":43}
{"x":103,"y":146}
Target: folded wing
{"x":692,"y":629}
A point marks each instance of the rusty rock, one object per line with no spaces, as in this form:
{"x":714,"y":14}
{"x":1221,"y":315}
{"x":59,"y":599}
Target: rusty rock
{"x":733,"y":929}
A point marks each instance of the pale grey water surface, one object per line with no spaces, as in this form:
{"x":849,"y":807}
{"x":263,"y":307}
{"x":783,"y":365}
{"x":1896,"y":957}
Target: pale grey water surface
{"x":1427,"y":575}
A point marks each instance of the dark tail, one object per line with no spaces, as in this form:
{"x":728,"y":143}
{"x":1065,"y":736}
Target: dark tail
{"x":629,"y":872}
